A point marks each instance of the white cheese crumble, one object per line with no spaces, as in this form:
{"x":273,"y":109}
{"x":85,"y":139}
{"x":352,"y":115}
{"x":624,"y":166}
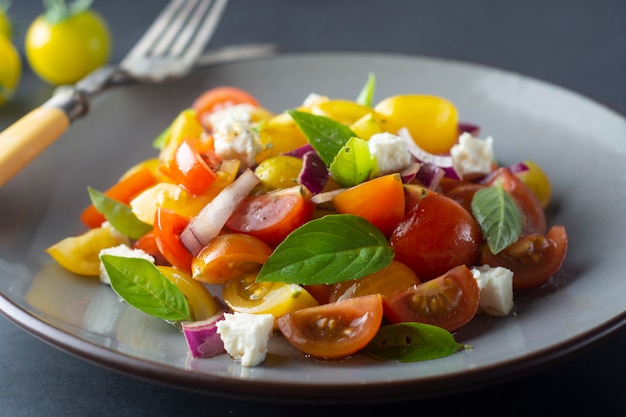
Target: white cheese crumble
{"x":472,"y":155}
{"x":246,"y":336}
{"x":234,"y":136}
{"x":121,"y":250}
{"x":390,"y":153}
{"x":496,"y":290}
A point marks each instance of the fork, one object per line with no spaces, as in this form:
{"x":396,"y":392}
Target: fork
{"x":168,"y":50}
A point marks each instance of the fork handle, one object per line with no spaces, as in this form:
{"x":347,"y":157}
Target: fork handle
{"x":21,"y":142}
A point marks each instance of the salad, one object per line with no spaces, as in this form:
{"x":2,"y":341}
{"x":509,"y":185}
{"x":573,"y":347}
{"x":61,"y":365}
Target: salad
{"x":344,"y":226}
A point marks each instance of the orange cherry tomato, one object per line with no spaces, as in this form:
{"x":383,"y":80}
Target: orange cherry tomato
{"x":395,"y":277}
{"x":380,"y":201}
{"x":448,"y":301}
{"x":148,"y":244}
{"x":190,"y":170}
{"x":533,"y":258}
{"x":335,"y":330}
{"x":229,"y":256}
{"x":123,"y":191}
{"x":220,"y":98}
{"x":437,"y":235}
{"x":168,"y":225}
{"x":272,"y":216}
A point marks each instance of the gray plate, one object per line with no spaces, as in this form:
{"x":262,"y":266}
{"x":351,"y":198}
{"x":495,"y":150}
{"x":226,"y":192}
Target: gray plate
{"x":580,"y":144}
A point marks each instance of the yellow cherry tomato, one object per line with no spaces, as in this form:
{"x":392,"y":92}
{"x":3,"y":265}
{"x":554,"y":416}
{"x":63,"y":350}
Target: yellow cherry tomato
{"x":63,"y":52}
{"x":367,"y":126}
{"x":5,"y":24}
{"x":10,"y":69}
{"x":279,"y":171}
{"x":342,"y":111}
{"x":80,"y":254}
{"x":245,"y":295}
{"x":278,"y":135}
{"x":203,"y":304}
{"x":538,"y":182}
{"x":431,"y":120}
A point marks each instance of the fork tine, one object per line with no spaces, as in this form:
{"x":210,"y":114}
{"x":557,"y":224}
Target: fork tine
{"x":178,"y":23}
{"x":190,"y":28}
{"x":206,"y":30}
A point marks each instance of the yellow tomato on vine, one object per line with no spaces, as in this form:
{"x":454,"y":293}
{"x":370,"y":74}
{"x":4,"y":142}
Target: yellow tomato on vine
{"x":10,"y":69}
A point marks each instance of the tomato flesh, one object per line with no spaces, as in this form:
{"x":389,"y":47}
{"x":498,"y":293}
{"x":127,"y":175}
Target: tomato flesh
{"x":533,"y":258}
{"x":448,"y":301}
{"x":168,"y":225}
{"x":335,"y":330}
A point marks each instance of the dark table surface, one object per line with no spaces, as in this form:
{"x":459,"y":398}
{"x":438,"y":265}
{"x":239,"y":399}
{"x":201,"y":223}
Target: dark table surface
{"x":579,"y":45}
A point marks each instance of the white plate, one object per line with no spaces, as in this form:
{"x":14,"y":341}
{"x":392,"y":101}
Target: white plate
{"x":581,"y":145}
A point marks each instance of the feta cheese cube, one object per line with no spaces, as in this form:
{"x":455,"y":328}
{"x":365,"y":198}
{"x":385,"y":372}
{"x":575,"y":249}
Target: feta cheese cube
{"x":496,"y":290}
{"x":472,"y":155}
{"x":233,"y":135}
{"x":390,"y":153}
{"x":246,"y":336}
{"x":121,"y":250}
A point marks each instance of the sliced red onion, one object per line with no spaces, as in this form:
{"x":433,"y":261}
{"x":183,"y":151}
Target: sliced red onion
{"x":430,"y":175}
{"x":202,"y":337}
{"x":470,"y":128}
{"x":443,"y":161}
{"x":299,"y":152}
{"x":518,"y":167}
{"x":326,"y":197}
{"x":314,"y":174}
{"x":212,"y":218}
{"x":410,"y":172}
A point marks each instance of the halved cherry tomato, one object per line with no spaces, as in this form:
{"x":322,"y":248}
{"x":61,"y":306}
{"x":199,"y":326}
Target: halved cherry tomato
{"x":272,"y":216}
{"x":168,"y":225}
{"x":245,"y":295}
{"x":203,"y":304}
{"x":448,"y":301}
{"x":335,"y":330}
{"x":533,"y":258}
{"x":220,"y":98}
{"x":380,"y":201}
{"x":437,"y":235}
{"x":229,"y":256}
{"x":394,"y":278}
{"x":123,"y":191}
{"x":533,"y":215}
{"x":147,"y":243}
{"x":190,"y":170}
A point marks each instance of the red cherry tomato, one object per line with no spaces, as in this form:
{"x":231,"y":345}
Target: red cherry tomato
{"x":168,"y":225}
{"x":437,"y":235}
{"x":335,"y":330}
{"x":220,"y":98}
{"x":148,"y":244}
{"x":533,"y":258}
{"x":448,"y":301}
{"x":271,"y":217}
{"x":190,"y":170}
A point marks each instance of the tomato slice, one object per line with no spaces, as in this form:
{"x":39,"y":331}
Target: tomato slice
{"x":533,"y":258}
{"x":448,"y":301}
{"x":272,"y":216}
{"x":380,"y":201}
{"x":335,"y":330}
{"x":123,"y":191}
{"x":203,"y":304}
{"x":229,"y":256}
{"x":148,"y":244}
{"x":168,"y":225}
{"x":190,"y":170}
{"x":220,"y":98}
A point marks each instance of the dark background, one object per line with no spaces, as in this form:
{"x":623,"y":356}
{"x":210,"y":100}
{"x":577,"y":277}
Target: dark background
{"x":577,"y":44}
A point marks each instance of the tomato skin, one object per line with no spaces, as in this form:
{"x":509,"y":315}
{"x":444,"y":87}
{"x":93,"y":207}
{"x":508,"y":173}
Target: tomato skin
{"x":190,"y":170}
{"x":168,"y":225}
{"x":437,"y":235}
{"x":220,"y":98}
{"x":148,"y":244}
{"x":335,"y":330}
{"x":448,"y":301}
{"x":534,"y":258}
{"x":272,"y":216}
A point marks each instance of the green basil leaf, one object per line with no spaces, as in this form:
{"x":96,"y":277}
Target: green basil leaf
{"x":353,"y":164}
{"x":366,"y":96}
{"x":141,"y":284}
{"x":498,"y":216}
{"x":412,"y":342}
{"x":334,"y":248}
{"x":119,"y":215}
{"x":324,"y":134}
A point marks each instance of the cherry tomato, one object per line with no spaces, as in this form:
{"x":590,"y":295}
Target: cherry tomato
{"x":335,"y":330}
{"x":537,"y":180}
{"x":279,"y":172}
{"x":533,"y":216}
{"x":272,"y":216}
{"x":245,"y":295}
{"x":190,"y":170}
{"x":168,"y":225}
{"x":80,"y":254}
{"x":342,"y":111}
{"x":395,"y":277}
{"x":448,"y":301}
{"x":10,"y":69}
{"x":220,"y":98}
{"x":380,"y":201}
{"x":203,"y":304}
{"x":229,"y":256}
{"x":148,"y":244}
{"x":6,"y":28}
{"x":533,"y":258}
{"x":437,"y":235}
{"x":432,"y":121}
{"x":64,"y":51}
{"x":278,"y":135}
